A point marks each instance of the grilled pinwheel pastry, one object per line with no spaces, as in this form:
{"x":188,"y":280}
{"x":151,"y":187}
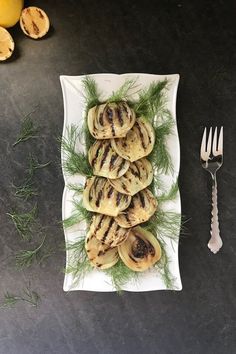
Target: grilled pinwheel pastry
{"x":110,"y":120}
{"x":138,"y":177}
{"x":105,"y":161}
{"x":138,"y":142}
{"x":100,"y":255}
{"x":100,"y":197}
{"x":107,"y":231}
{"x":143,"y":205}
{"x":140,"y":251}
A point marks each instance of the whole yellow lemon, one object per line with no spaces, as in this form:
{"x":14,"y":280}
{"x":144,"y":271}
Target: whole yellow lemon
{"x":10,"y":11}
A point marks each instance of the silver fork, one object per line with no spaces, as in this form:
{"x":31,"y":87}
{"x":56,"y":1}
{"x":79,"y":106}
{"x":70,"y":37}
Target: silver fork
{"x":211,"y":156}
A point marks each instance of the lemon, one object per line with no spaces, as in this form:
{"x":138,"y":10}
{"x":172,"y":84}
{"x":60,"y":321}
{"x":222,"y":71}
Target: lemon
{"x":6,"y":44}
{"x":10,"y":11}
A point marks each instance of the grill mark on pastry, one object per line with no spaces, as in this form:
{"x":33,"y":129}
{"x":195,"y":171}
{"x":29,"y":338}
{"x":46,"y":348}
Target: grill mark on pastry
{"x":110,"y":192}
{"x":125,"y":108}
{"x":35,"y":27}
{"x":126,"y":197}
{"x":107,"y":230}
{"x":121,"y":166}
{"x":105,"y":155}
{"x":135,"y":173}
{"x":113,"y":159}
{"x":148,"y":132}
{"x":97,"y":180}
{"x":96,"y":155}
{"x":109,"y":113}
{"x":101,"y":119}
{"x":101,"y":253}
{"x":118,"y":198}
{"x":141,"y":135}
{"x":99,"y":224}
{"x":125,"y":188}
{"x":142,"y":199}
{"x":97,"y":203}
{"x":119,"y":115}
{"x":90,"y":195}
{"x":127,"y":218}
{"x":131,"y":206}
{"x":138,"y":170}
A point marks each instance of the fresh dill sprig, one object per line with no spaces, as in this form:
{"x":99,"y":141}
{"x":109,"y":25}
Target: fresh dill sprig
{"x":92,"y":93}
{"x":160,"y":156}
{"x":27,"y":130}
{"x":26,"y":190}
{"x":24,"y":222}
{"x":164,"y":224}
{"x":34,"y":165}
{"x":74,"y":162}
{"x":170,"y":195}
{"x":28,"y":295}
{"x":79,"y":265}
{"x":80,"y":214}
{"x":124,"y":92}
{"x":26,"y":258}
{"x":78,"y":188}
{"x":151,"y":100}
{"x":120,"y":274}
{"x":164,"y":269}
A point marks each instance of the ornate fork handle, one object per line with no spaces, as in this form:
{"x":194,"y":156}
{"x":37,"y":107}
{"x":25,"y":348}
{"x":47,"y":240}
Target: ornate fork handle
{"x":215,"y":242}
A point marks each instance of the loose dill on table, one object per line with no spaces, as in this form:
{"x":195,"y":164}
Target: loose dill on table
{"x":28,"y":130}
{"x":26,"y":258}
{"x":27,"y":295}
{"x":24,"y":221}
{"x":26,"y":190}
{"x":35,"y":165}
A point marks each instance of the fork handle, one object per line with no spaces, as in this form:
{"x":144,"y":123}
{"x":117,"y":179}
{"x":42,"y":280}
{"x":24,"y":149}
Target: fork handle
{"x":215,"y":242}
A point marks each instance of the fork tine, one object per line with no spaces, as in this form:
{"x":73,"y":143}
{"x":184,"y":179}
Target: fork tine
{"x":203,"y":145}
{"x":214,"y":152}
{"x":209,"y":142}
{"x":220,"y":143}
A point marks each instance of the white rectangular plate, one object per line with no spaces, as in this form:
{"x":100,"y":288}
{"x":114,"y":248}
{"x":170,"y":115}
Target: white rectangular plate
{"x":74,"y":109}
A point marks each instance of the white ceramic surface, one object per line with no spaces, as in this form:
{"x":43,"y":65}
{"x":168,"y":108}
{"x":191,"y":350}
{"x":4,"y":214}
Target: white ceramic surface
{"x":74,"y":111}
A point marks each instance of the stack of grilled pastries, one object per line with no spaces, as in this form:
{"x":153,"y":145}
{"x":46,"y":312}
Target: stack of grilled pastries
{"x":118,"y":193}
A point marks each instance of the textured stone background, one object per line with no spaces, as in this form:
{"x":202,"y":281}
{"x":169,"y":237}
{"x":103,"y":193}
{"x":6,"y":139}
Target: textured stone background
{"x":194,"y":38}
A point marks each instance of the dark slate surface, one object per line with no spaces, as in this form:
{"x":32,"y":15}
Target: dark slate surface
{"x":194,"y":38}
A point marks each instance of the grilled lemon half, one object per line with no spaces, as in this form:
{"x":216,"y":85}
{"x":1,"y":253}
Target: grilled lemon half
{"x":110,"y":120}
